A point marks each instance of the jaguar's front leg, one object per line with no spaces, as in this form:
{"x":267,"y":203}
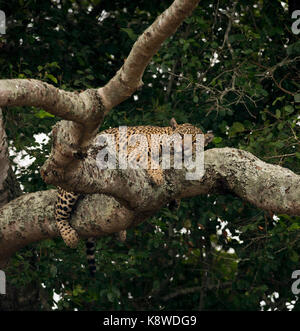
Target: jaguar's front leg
{"x":63,"y":209}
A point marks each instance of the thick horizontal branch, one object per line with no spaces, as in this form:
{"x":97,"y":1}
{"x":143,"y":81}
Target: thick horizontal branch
{"x":30,"y":218}
{"x":129,"y":78}
{"x":131,"y":198}
{"x":267,"y":186}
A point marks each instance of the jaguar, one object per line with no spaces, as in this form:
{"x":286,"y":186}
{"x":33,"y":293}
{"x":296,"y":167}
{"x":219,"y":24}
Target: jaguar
{"x":66,"y":201}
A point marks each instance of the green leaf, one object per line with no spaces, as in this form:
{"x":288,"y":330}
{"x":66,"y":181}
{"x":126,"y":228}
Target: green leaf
{"x":28,"y":72}
{"x":217,"y":140}
{"x":280,"y":126}
{"x":116,"y":292}
{"x":214,"y":44}
{"x":130,"y":33}
{"x":293,"y":49}
{"x":297,"y":97}
{"x":78,"y":290}
{"x":51,"y":77}
{"x":110,"y":296}
{"x":185,"y":46}
{"x":42,"y":114}
{"x":294,"y":257}
{"x":236,"y":128}
{"x":289,"y":109}
{"x":90,"y":77}
{"x":248,"y":51}
{"x":294,"y":227}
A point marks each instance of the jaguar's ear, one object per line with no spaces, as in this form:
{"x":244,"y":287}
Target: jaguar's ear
{"x":173,"y":123}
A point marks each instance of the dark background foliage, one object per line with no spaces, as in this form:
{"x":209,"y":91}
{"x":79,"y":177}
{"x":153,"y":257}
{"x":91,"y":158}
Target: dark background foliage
{"x":232,"y":67}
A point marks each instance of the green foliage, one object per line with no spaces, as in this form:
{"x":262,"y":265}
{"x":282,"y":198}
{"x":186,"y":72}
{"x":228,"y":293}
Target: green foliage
{"x":244,"y":86}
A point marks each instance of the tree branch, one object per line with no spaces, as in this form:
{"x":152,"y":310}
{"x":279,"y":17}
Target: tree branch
{"x":9,"y":186}
{"x":30,"y":218}
{"x":130,"y":198}
{"x":71,"y":106}
{"x":129,"y":78}
{"x":267,"y":186}
{"x":84,"y":112}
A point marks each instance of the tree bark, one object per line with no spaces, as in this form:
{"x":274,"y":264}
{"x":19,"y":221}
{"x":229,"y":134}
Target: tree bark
{"x":128,"y":197}
{"x":9,"y":186}
{"x":129,"y":77}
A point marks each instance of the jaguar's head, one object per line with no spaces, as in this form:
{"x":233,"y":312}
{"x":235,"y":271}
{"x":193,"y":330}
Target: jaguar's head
{"x":188,"y":128}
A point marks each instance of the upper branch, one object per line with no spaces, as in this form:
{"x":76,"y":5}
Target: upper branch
{"x":72,"y":106}
{"x":84,"y":112}
{"x":77,"y":107}
{"x":129,"y":77}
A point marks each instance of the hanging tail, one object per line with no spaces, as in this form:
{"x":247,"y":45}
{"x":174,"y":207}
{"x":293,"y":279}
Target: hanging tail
{"x":90,"y":254}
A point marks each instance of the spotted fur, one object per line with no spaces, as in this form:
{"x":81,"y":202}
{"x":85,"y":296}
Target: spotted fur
{"x":63,"y":208}
{"x":67,"y":200}
{"x":155,"y":175}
